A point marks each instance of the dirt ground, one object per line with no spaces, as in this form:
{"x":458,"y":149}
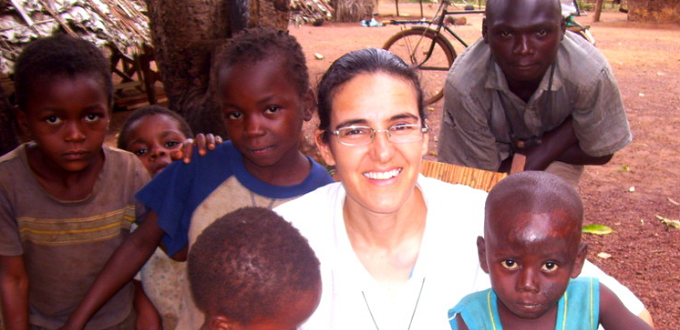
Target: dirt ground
{"x":644,"y":253}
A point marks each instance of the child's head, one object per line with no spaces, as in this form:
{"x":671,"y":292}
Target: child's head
{"x":64,"y":93}
{"x":59,"y":56}
{"x":264,"y":95}
{"x":251,"y":269}
{"x":151,"y":133}
{"x":532,"y":241}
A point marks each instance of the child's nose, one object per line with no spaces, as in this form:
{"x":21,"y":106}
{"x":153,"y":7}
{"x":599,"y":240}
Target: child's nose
{"x":74,"y":132}
{"x":160,"y":152}
{"x":253,"y":125}
{"x":527,"y":281}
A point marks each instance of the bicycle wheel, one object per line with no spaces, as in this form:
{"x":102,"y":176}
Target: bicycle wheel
{"x":431,"y":53}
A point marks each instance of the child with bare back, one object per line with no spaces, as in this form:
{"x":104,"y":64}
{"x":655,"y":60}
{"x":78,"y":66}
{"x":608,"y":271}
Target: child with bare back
{"x":66,"y":200}
{"x":263,"y":89}
{"x":532,"y":251}
{"x":251,"y":269}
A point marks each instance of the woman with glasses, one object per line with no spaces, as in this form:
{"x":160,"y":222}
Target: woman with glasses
{"x":388,"y":239}
{"x":397,"y":249}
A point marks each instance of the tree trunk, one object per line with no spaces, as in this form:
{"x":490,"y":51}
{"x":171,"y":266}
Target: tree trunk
{"x":8,"y":136}
{"x":353,"y":10}
{"x":187,"y":36}
{"x":598,"y":10}
{"x":654,"y":10}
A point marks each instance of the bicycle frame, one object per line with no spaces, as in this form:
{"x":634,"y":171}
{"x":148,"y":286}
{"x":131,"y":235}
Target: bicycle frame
{"x":438,"y":20}
{"x":424,"y":46}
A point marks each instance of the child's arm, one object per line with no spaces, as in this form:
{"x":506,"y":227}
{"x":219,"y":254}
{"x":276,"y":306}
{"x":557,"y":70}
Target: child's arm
{"x":147,"y":315}
{"x":14,"y":293}
{"x":460,"y":323}
{"x":125,"y":262}
{"x":615,"y":316}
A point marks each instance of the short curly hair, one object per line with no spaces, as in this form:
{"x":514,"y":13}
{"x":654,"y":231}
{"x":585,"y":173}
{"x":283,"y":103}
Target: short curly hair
{"x":150,"y":110}
{"x":246,"y":264}
{"x":57,"y":56}
{"x":258,"y":44}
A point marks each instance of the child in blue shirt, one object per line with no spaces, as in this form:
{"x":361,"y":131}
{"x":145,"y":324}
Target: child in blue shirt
{"x":532,"y":251}
{"x":263,"y":89}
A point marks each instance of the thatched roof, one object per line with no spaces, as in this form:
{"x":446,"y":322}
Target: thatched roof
{"x":118,"y":23}
{"x":314,"y":11}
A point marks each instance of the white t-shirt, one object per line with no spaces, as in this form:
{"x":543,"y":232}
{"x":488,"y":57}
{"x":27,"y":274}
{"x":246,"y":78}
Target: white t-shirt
{"x":447,"y":268}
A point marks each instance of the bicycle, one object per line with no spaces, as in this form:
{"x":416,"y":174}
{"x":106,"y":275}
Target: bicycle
{"x":427,"y":48}
{"x":570,"y":9}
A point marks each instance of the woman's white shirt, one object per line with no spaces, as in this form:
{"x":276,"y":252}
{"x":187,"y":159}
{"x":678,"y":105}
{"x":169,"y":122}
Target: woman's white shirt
{"x":447,"y":268}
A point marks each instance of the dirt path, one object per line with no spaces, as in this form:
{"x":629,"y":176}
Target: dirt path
{"x":645,"y":255}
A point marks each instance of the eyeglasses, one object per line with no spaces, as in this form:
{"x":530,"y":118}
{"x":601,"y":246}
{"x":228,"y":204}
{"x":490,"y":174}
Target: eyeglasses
{"x":362,"y":135}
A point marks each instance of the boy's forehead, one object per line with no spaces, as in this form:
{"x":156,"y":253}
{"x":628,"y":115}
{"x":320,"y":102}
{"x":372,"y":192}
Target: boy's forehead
{"x":50,"y":86}
{"x":531,"y":227}
{"x":514,"y":12}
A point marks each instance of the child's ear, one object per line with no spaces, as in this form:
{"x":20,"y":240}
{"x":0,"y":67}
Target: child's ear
{"x":220,"y":322}
{"x":309,"y":104}
{"x":324,"y":148}
{"x":22,"y":121}
{"x":481,"y":253}
{"x":580,"y":259}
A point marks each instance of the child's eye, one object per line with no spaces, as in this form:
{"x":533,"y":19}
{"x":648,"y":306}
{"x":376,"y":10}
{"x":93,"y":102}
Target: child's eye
{"x":233,"y":115}
{"x":272,"y":109}
{"x":542,"y":33}
{"x":509,"y":264}
{"x":172,"y":144}
{"x":92,"y":117}
{"x":140,"y":152}
{"x":549,"y":266}
{"x":505,"y":34}
{"x":53,"y":120}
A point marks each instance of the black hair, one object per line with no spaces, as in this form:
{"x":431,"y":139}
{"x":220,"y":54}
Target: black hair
{"x":150,"y":110}
{"x":258,"y":44}
{"x":369,"y":60}
{"x":534,"y":192}
{"x":58,"y":56}
{"x":250,"y":263}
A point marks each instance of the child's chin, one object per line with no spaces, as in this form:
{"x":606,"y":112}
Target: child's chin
{"x":526,"y":312}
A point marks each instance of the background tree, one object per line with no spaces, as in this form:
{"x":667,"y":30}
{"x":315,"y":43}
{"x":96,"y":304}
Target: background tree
{"x":8,"y":136}
{"x":188,"y":35}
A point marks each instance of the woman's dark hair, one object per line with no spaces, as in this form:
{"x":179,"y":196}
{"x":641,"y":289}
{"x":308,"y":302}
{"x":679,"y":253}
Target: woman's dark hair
{"x":369,"y":60}
{"x":58,"y":56}
{"x":150,"y":110}
{"x":258,"y":44}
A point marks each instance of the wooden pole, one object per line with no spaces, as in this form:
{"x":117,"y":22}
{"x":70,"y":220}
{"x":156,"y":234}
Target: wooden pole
{"x":598,"y":10}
